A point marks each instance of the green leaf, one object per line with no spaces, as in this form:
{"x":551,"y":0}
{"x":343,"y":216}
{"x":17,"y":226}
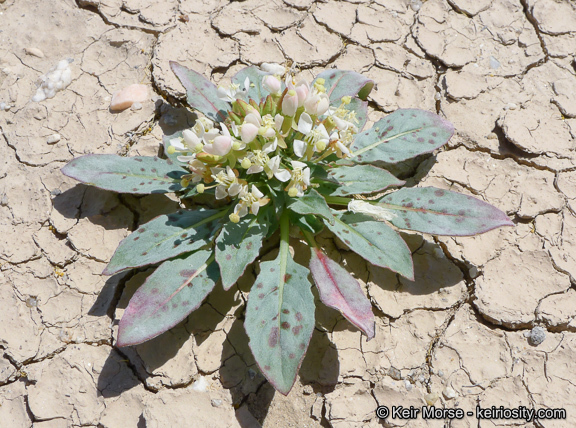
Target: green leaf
{"x":237,"y":246}
{"x":280,"y":319}
{"x":442,"y":212}
{"x":310,"y":223}
{"x":339,"y":290}
{"x":311,"y":203}
{"x":358,"y":180}
{"x":340,"y":83}
{"x":174,"y":290}
{"x":256,"y":91}
{"x":139,"y":174}
{"x":162,"y":238}
{"x":402,"y":135}
{"x":374,"y":241}
{"x":201,"y":94}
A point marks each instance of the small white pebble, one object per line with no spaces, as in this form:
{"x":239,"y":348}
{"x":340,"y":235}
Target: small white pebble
{"x":449,"y":393}
{"x":200,"y":385}
{"x":440,"y":373}
{"x":34,"y":52}
{"x":408,"y":385}
{"x":53,"y":139}
{"x":492,"y":136}
{"x":437,"y":96}
{"x":216,"y":402}
{"x":136,"y":106}
{"x":537,"y":336}
{"x":494,"y":63}
{"x":431,"y":398}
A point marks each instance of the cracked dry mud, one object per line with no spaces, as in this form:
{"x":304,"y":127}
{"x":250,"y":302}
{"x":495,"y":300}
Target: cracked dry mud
{"x":503,"y":71}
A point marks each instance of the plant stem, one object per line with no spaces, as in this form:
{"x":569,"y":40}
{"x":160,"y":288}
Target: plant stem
{"x":309,"y":237}
{"x":284,"y":234}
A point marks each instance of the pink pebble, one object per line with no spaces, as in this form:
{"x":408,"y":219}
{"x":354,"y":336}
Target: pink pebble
{"x":124,"y":98}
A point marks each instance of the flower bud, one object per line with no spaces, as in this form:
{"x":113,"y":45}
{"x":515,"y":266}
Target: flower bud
{"x":292,"y":192}
{"x":248,"y":132}
{"x":246,"y":163}
{"x":191,"y":139}
{"x":317,"y":104}
{"x":290,"y":103}
{"x":234,"y":218}
{"x":302,"y":89}
{"x":220,"y":146}
{"x":272,"y":84}
{"x":200,"y":188}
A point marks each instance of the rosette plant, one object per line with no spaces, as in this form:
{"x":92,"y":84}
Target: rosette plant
{"x":275,"y":153}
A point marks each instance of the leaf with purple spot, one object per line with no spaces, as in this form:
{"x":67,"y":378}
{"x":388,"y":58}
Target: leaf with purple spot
{"x":138,"y":174}
{"x":280,"y":319}
{"x":357,"y":180}
{"x":402,"y":135}
{"x":237,"y":245}
{"x":339,"y":290}
{"x":374,"y":241}
{"x":311,"y":203}
{"x":441,"y":212}
{"x":340,"y":83}
{"x":164,"y":237}
{"x":201,"y":94}
{"x":175,"y":289}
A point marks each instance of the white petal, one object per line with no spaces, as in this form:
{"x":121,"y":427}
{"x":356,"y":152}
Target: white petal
{"x":306,"y":176}
{"x":305,"y":124}
{"x":255,"y":207}
{"x":299,"y":148}
{"x":221,"y":192}
{"x":283,"y":175}
{"x":254,"y":169}
{"x":256,"y":192}
{"x":298,"y":164}
{"x":234,"y":189}
{"x":177,"y":144}
{"x":270,"y":146}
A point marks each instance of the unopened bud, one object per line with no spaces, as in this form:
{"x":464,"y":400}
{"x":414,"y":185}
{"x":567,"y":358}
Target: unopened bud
{"x":200,"y":188}
{"x":290,"y":103}
{"x":292,"y":192}
{"x":234,"y":218}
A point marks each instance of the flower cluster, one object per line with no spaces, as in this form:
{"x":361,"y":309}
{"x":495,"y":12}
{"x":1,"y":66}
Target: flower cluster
{"x":259,"y":142}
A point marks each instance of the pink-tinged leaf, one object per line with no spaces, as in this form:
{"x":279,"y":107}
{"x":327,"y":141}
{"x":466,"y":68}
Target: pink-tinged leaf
{"x":174,"y":290}
{"x":402,"y":135}
{"x":339,"y":290}
{"x":441,"y":212}
{"x":201,"y":94}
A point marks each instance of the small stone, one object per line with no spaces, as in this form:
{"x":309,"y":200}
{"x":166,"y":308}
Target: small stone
{"x":440,"y":373}
{"x":408,"y":385}
{"x":216,"y":402}
{"x":251,"y":374}
{"x":537,"y":336}
{"x":136,"y":106}
{"x":125,"y":98}
{"x":307,"y":390}
{"x":431,"y":398}
{"x":53,"y":139}
{"x":449,"y":393}
{"x":394,"y":373}
{"x":31,"y":302}
{"x":34,"y":52}
{"x":492,"y":136}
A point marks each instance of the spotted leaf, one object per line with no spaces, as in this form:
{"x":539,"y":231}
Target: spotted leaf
{"x":442,"y":212}
{"x":174,"y":290}
{"x":358,"y":179}
{"x":162,"y":238}
{"x":201,"y":94}
{"x":374,"y":241}
{"x":237,"y":246}
{"x":139,"y":174}
{"x":339,"y":290}
{"x":340,"y":83}
{"x":402,"y":135}
{"x":280,"y":319}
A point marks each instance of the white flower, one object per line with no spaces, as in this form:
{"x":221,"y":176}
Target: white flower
{"x":248,"y":132}
{"x":302,"y":89}
{"x":272,"y":84}
{"x":234,"y":92}
{"x":300,"y":179}
{"x":316,"y":140}
{"x":273,"y":169}
{"x":363,"y":207}
{"x":227,"y":182}
{"x":290,"y":103}
{"x":317,"y":103}
{"x":250,"y":201}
